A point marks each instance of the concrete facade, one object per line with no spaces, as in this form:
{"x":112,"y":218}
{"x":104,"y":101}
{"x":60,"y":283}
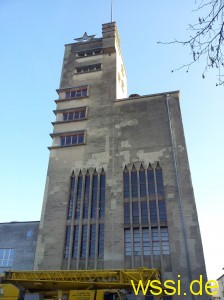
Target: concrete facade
{"x":119,"y":134}
{"x":21,"y":237}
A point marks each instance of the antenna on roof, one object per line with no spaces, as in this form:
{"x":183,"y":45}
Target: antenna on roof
{"x":112,"y":11}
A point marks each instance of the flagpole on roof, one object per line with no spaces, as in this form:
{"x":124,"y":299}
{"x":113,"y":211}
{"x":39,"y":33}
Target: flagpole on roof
{"x":111,"y":11}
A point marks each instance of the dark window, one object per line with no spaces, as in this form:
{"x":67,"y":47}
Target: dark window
{"x":153,"y":211}
{"x":79,"y":197}
{"x":67,"y":241}
{"x":94,"y":196}
{"x":155,"y":241}
{"x":75,"y":242}
{"x":146,"y":241}
{"x":144,"y":212}
{"x":86,"y":197}
{"x":137,"y":245}
{"x":84,"y":241}
{"x":90,"y":68}
{"x":92,"y":240}
{"x":90,"y":52}
{"x":102,"y":196}
{"x":71,"y":198}
{"x":126,"y":185}
{"x":151,"y":183}
{"x":142,"y":182}
{"x":101,"y":241}
{"x":127,"y":213}
{"x":74,"y":115}
{"x":127,"y":242}
{"x":72,"y":139}
{"x":159,"y":182}
{"x":135,"y":213}
{"x":76,"y":93}
{"x":134,"y":184}
{"x":162,"y":211}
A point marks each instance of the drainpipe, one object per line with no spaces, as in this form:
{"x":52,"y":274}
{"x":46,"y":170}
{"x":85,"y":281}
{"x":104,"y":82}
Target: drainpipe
{"x":178,"y":189}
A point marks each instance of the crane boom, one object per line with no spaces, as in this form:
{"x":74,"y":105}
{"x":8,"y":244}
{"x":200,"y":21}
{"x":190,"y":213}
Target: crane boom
{"x":79,"y":279}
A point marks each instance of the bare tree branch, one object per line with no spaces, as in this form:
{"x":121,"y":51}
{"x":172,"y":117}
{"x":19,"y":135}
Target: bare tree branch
{"x":207,"y":40}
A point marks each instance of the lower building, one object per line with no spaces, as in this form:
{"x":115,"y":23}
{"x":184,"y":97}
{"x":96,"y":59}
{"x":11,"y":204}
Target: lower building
{"x":18,"y":245}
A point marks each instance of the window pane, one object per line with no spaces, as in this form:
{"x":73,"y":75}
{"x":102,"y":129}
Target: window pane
{"x":81,"y":138}
{"x":153,"y":211}
{"x":162,"y":211}
{"x":142,"y":184}
{"x":151,"y":183}
{"x":135,"y":213}
{"x":159,"y":182}
{"x":126,"y":185}
{"x":62,"y":140}
{"x":134,"y":184}
{"x":144,"y":212}
{"x":126,"y":213}
{"x":101,"y":241}
{"x":74,"y":139}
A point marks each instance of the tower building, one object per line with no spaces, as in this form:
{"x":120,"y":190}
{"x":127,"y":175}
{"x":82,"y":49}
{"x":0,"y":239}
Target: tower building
{"x":118,"y":190}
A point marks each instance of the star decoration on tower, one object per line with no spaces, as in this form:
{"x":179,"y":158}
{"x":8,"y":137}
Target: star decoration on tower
{"x":85,"y":38}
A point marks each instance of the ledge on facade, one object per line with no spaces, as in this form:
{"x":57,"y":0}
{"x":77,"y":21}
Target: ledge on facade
{"x":68,"y":109}
{"x":69,"y":99}
{"x":67,"y":132}
{"x":68,"y":121}
{"x":66,"y":146}
{"x":67,"y":88}
{"x":147,"y":96}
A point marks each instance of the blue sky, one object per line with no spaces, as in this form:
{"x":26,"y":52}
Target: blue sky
{"x":33,"y":34}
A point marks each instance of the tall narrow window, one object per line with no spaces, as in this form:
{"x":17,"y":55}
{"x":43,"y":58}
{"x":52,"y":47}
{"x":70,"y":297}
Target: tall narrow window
{"x":79,"y":196}
{"x":126,"y":183}
{"x":126,"y":213}
{"x":159,"y":181}
{"x":101,"y":241}
{"x":75,"y":242}
{"x":86,"y":196}
{"x":72,"y":195}
{"x":153,"y":211}
{"x":67,"y":241}
{"x":102,"y":195}
{"x":134,"y":183}
{"x":142,"y":182}
{"x":155,"y":241}
{"x":94,"y":195}
{"x":135,"y":213}
{"x":127,"y":242}
{"x":151,"y":182}
{"x":137,"y":245}
{"x":84,"y":241}
{"x":146,"y":241}
{"x":144,"y":212}
{"x":92,"y":240}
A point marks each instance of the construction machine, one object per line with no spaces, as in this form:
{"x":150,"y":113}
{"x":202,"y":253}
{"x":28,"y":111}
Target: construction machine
{"x":74,"y":285}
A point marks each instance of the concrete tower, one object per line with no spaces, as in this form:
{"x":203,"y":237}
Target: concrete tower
{"x":118,"y":190}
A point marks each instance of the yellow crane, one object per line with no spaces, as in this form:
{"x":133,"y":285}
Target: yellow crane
{"x":74,"y":284}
